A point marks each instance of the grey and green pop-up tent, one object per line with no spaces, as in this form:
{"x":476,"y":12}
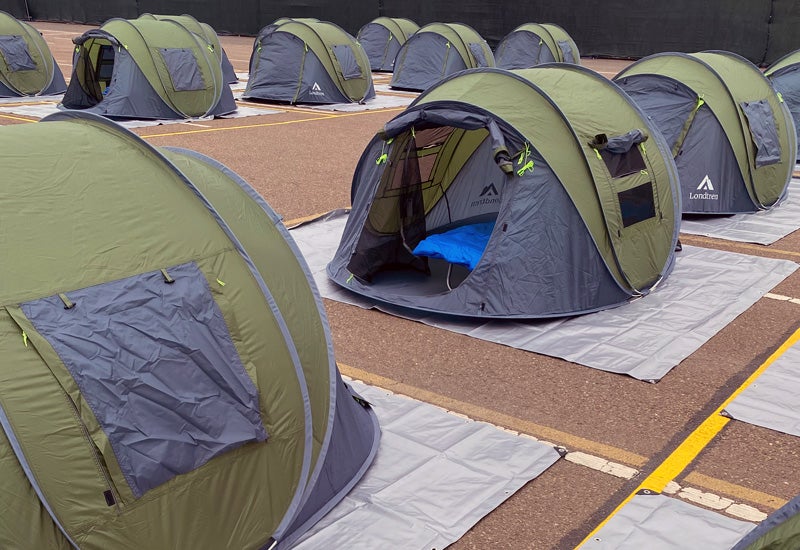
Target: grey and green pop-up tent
{"x":732,"y":136}
{"x":27,"y":67}
{"x":436,"y":51}
{"x":382,"y":38}
{"x":308,"y":61}
{"x":785,"y":77}
{"x":532,"y":44}
{"x":467,"y":204}
{"x":208,"y":34}
{"x":147,"y":68}
{"x":167,"y":377}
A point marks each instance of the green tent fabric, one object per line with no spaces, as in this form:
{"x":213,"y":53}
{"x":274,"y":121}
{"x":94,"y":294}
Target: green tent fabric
{"x":532,"y":44}
{"x":209,"y":36}
{"x":580,"y":188}
{"x":731,"y":134}
{"x":307,"y":61}
{"x":27,"y":67}
{"x":166,"y":360}
{"x":148,"y":68}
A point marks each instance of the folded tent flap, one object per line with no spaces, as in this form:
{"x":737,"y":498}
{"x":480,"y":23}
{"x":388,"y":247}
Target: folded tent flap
{"x":143,"y":400}
{"x":16,"y":54}
{"x":348,"y":63}
{"x":763,"y":130}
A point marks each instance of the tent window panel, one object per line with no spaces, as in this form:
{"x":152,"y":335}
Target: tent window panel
{"x":763,"y":131}
{"x":478,"y":54}
{"x":16,"y":54}
{"x":105,"y":66}
{"x":347,"y":61}
{"x":637,"y":204}
{"x":566,"y":51}
{"x":184,"y":71}
{"x":156,"y":364}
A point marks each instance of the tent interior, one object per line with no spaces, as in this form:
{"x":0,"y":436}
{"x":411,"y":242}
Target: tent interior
{"x":433,"y":210}
{"x":96,"y":58}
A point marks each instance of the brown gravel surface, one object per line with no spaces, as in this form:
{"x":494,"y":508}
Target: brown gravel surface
{"x":302,"y":162}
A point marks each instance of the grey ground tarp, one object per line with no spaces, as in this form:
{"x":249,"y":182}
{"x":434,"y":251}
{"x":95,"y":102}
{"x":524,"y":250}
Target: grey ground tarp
{"x":643,"y":339}
{"x":771,"y":401}
{"x":763,"y":227}
{"x":435,"y":476}
{"x":657,"y":522}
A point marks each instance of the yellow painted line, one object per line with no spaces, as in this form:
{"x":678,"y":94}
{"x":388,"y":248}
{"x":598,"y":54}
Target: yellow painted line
{"x":572,"y":442}
{"x":694,"y":239}
{"x":10,"y":117}
{"x":327,"y":116}
{"x":731,"y":489}
{"x":688,"y":450}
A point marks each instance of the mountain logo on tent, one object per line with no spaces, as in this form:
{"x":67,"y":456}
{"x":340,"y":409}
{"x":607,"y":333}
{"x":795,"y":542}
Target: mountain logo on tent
{"x":705,"y":186}
{"x":316,"y":90}
{"x":489,"y":191}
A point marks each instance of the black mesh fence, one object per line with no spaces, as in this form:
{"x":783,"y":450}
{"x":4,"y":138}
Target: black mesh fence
{"x":760,"y":30}
{"x":17,"y":8}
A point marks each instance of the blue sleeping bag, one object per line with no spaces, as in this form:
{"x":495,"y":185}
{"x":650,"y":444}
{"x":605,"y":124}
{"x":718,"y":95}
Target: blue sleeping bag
{"x":463,"y":245}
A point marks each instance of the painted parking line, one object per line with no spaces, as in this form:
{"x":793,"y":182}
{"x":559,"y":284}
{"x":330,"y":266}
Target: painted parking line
{"x":736,"y":245}
{"x":267,"y":124}
{"x":690,"y":447}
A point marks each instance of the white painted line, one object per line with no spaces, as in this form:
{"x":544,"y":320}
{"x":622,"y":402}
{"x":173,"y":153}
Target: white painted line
{"x":782,"y":298}
{"x":196,"y":124}
{"x":746,"y":512}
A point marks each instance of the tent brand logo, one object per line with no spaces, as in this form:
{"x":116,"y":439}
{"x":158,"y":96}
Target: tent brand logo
{"x":316,"y":90}
{"x":704,"y":186}
{"x":489,"y":191}
{"x":489,"y":195}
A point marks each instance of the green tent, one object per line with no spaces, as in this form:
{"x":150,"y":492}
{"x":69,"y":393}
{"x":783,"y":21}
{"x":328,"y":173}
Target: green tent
{"x":731,"y":134}
{"x":27,"y":67}
{"x":382,"y":38}
{"x":148,"y":68}
{"x":209,"y":36}
{"x":555,"y":197}
{"x":167,"y":378}
{"x":532,"y":44}
{"x":780,"y":531}
{"x":436,"y":51}
{"x":308,"y":61}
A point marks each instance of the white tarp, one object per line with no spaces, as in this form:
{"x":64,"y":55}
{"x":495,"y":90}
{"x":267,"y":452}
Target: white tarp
{"x":657,"y":522}
{"x":644,"y":339}
{"x":434,"y":477}
{"x":772,"y":400}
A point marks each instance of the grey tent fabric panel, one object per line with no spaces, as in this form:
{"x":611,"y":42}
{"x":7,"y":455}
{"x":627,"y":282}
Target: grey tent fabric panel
{"x":16,"y":54}
{"x":423,"y":60}
{"x":522,"y":50}
{"x":624,"y":143}
{"x":787,"y":83}
{"x":58,"y":85}
{"x":478,"y":53}
{"x":786,"y":512}
{"x":374,"y":39}
{"x":771,"y":400}
{"x":710,"y":176}
{"x":765,"y":227}
{"x":347,"y":61}
{"x":318,"y":85}
{"x":184,"y":70}
{"x":280,"y":62}
{"x":669,"y":103}
{"x":657,"y":522}
{"x":764,"y":131}
{"x":147,"y":355}
{"x":707,"y":290}
{"x":566,"y":51}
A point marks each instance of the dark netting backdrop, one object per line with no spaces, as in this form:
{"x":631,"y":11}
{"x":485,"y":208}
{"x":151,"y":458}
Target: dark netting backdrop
{"x":760,"y":30}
